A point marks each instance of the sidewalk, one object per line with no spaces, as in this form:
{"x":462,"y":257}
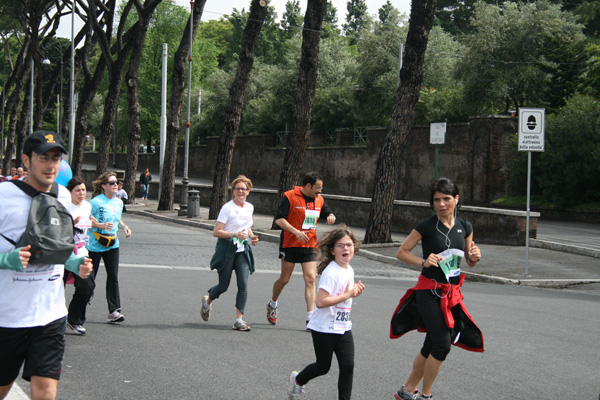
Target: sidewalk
{"x":564,"y":253}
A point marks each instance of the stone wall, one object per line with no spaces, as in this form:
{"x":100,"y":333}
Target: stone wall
{"x":476,"y":156}
{"x":493,"y":226}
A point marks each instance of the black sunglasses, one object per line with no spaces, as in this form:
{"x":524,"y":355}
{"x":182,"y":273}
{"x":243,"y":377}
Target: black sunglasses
{"x":112,"y":182}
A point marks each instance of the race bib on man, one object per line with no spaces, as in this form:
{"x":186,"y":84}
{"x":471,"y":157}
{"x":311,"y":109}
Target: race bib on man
{"x":310,"y":219}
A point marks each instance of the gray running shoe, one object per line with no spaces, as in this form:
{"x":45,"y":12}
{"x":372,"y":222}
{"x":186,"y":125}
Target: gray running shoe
{"x":115,"y":316}
{"x":241,"y":326}
{"x":76,"y":329}
{"x":295,"y":391}
{"x":271,"y":314}
{"x":402,"y":394}
{"x":205,"y":310}
{"x":424,"y":397}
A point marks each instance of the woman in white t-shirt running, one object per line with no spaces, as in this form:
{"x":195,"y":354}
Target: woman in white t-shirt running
{"x":330,"y":324}
{"x":233,"y":251}
{"x":81,"y":211}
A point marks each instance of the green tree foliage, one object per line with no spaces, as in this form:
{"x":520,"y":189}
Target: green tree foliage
{"x":219,"y":33}
{"x":591,"y":85}
{"x":270,"y":46}
{"x":291,"y":22}
{"x":389,"y":15}
{"x":330,"y":21}
{"x":589,"y":15}
{"x":441,"y":97}
{"x":455,"y":16}
{"x":166,"y":27}
{"x":357,"y":19}
{"x":333,"y":106}
{"x":377,"y":74}
{"x":571,"y":160}
{"x":505,"y":64}
{"x":270,"y":95}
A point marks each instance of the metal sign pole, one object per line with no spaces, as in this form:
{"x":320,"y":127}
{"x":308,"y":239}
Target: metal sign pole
{"x":528,"y":210}
{"x":532,"y":123}
{"x":436,"y":161}
{"x":437,"y":135}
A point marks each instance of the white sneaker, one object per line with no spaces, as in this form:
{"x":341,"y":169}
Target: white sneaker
{"x":115,"y":316}
{"x":205,"y":310}
{"x":76,"y":329}
{"x":295,"y":391}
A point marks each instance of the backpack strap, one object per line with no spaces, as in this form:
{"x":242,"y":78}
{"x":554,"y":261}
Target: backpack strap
{"x":31,"y":191}
{"x":9,"y":240}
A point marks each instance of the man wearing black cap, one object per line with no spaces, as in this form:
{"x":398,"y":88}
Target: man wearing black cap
{"x":32,"y":300}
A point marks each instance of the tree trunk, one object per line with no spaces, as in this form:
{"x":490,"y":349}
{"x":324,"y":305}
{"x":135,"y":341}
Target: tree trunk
{"x":22,"y":124}
{"x":12,"y":105}
{"x":115,"y":77}
{"x":133,"y":101}
{"x":173,"y":118}
{"x":233,"y":112}
{"x":38,"y":90}
{"x":297,"y":140}
{"x":388,"y":162}
{"x":86,"y":98}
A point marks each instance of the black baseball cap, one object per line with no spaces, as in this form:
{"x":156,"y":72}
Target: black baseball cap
{"x":42,"y":141}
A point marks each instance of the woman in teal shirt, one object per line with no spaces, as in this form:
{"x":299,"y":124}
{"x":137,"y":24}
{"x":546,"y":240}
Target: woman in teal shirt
{"x":104,"y":243}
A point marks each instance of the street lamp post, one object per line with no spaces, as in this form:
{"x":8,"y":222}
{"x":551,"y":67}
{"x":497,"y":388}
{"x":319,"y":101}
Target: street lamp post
{"x":3,"y":88}
{"x":31,"y":99}
{"x":72,"y":87}
{"x":184,"y":190}
{"x":60,"y":96}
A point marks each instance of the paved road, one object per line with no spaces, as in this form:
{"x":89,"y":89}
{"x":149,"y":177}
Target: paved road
{"x":540,"y":343}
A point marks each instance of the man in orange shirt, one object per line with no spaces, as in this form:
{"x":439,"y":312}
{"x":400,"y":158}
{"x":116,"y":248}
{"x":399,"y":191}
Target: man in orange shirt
{"x":298,"y":213}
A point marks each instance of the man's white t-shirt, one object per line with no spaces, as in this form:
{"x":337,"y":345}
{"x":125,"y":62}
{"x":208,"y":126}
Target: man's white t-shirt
{"x":34,"y":296}
{"x":334,"y":319}
{"x":236,"y":218}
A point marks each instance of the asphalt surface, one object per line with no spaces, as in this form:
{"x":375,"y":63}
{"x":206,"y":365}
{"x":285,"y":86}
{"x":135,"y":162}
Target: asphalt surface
{"x":538,"y":341}
{"x":555,"y":260}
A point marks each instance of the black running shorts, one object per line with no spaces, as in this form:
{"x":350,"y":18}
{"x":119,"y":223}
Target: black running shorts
{"x":41,"y":348}
{"x":298,"y":255}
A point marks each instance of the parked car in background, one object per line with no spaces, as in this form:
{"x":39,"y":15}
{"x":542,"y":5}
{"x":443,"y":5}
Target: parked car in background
{"x":144,"y":149}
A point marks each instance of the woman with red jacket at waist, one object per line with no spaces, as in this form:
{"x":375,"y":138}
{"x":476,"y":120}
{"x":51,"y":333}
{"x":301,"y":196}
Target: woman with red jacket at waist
{"x":435,"y":304}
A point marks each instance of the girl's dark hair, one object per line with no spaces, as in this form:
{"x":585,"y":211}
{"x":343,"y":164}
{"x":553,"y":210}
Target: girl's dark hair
{"x":75,"y":181}
{"x":327,"y":243}
{"x":446,"y":186}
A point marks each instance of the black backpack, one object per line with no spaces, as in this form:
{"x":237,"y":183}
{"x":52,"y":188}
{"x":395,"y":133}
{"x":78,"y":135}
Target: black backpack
{"x":50,"y":227}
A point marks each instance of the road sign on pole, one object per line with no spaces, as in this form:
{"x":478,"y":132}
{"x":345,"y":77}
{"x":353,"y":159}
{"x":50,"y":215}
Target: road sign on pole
{"x":531,"y":129}
{"x":437,"y":135}
{"x":532,"y":122}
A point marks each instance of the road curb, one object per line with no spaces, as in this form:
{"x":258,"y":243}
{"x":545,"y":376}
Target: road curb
{"x":272,"y":237}
{"x":565,"y":248}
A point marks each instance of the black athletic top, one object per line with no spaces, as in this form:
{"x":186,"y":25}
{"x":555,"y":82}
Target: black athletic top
{"x":434,"y":241}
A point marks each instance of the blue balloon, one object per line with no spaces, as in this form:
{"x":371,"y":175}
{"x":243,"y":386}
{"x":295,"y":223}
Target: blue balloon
{"x":64,"y":173}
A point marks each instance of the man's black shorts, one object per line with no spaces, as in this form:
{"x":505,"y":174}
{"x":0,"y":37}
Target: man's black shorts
{"x":40,"y":347}
{"x":298,"y":255}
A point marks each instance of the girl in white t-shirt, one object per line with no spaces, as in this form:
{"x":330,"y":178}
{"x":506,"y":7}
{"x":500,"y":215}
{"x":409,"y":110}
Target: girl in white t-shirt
{"x":233,"y":251}
{"x":330,"y":323}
